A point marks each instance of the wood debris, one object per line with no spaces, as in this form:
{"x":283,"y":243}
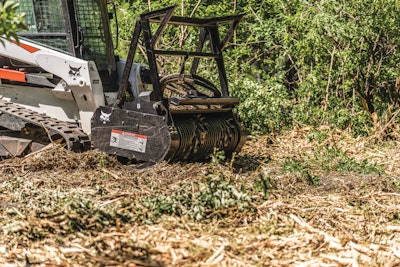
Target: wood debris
{"x":59,"y":208}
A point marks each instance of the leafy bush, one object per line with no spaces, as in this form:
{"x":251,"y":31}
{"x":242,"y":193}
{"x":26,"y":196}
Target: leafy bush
{"x":338,"y":160}
{"x":10,"y":21}
{"x":213,"y":198}
{"x":264,"y":107}
{"x":303,"y":62}
{"x":301,"y":168}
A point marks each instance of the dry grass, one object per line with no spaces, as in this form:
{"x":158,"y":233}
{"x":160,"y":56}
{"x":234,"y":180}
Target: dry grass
{"x":282,"y":202}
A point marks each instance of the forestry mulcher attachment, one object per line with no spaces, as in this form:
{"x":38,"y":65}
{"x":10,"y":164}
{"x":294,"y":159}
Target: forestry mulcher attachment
{"x":62,"y":83}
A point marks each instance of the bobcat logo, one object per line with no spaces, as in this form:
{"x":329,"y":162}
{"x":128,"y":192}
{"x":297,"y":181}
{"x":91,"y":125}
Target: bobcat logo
{"x":114,"y":140}
{"x":74,"y":72}
{"x":104,"y":117}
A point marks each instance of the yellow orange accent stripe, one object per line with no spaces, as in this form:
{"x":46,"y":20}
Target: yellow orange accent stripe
{"x":28,"y":48}
{"x":12,"y":75}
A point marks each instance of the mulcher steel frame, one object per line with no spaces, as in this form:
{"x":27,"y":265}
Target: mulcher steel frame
{"x":208,"y":30}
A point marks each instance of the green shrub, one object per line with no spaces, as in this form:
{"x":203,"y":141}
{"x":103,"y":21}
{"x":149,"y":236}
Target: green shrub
{"x":264,"y":107}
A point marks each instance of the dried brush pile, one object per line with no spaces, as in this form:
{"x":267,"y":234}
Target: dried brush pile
{"x":311,"y":197}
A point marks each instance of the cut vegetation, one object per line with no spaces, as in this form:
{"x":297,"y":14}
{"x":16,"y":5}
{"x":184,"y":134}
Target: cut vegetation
{"x":310,"y":197}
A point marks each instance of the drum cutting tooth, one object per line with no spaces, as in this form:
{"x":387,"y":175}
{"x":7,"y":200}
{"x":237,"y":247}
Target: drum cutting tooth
{"x":200,"y":134}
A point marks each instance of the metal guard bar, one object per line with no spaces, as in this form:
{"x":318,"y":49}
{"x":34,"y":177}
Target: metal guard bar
{"x":204,"y":101}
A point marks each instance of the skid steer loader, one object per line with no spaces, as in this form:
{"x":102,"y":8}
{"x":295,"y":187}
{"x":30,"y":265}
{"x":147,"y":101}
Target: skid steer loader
{"x":62,"y":82}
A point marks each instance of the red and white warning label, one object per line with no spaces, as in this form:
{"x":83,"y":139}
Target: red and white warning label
{"x":128,"y":140}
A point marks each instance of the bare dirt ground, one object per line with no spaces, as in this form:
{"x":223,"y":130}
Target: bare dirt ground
{"x":309,"y":197}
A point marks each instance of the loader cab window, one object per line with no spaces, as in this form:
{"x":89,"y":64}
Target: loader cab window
{"x":45,"y":23}
{"x":96,"y":43}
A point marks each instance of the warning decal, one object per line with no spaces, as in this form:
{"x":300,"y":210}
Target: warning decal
{"x":128,"y":140}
